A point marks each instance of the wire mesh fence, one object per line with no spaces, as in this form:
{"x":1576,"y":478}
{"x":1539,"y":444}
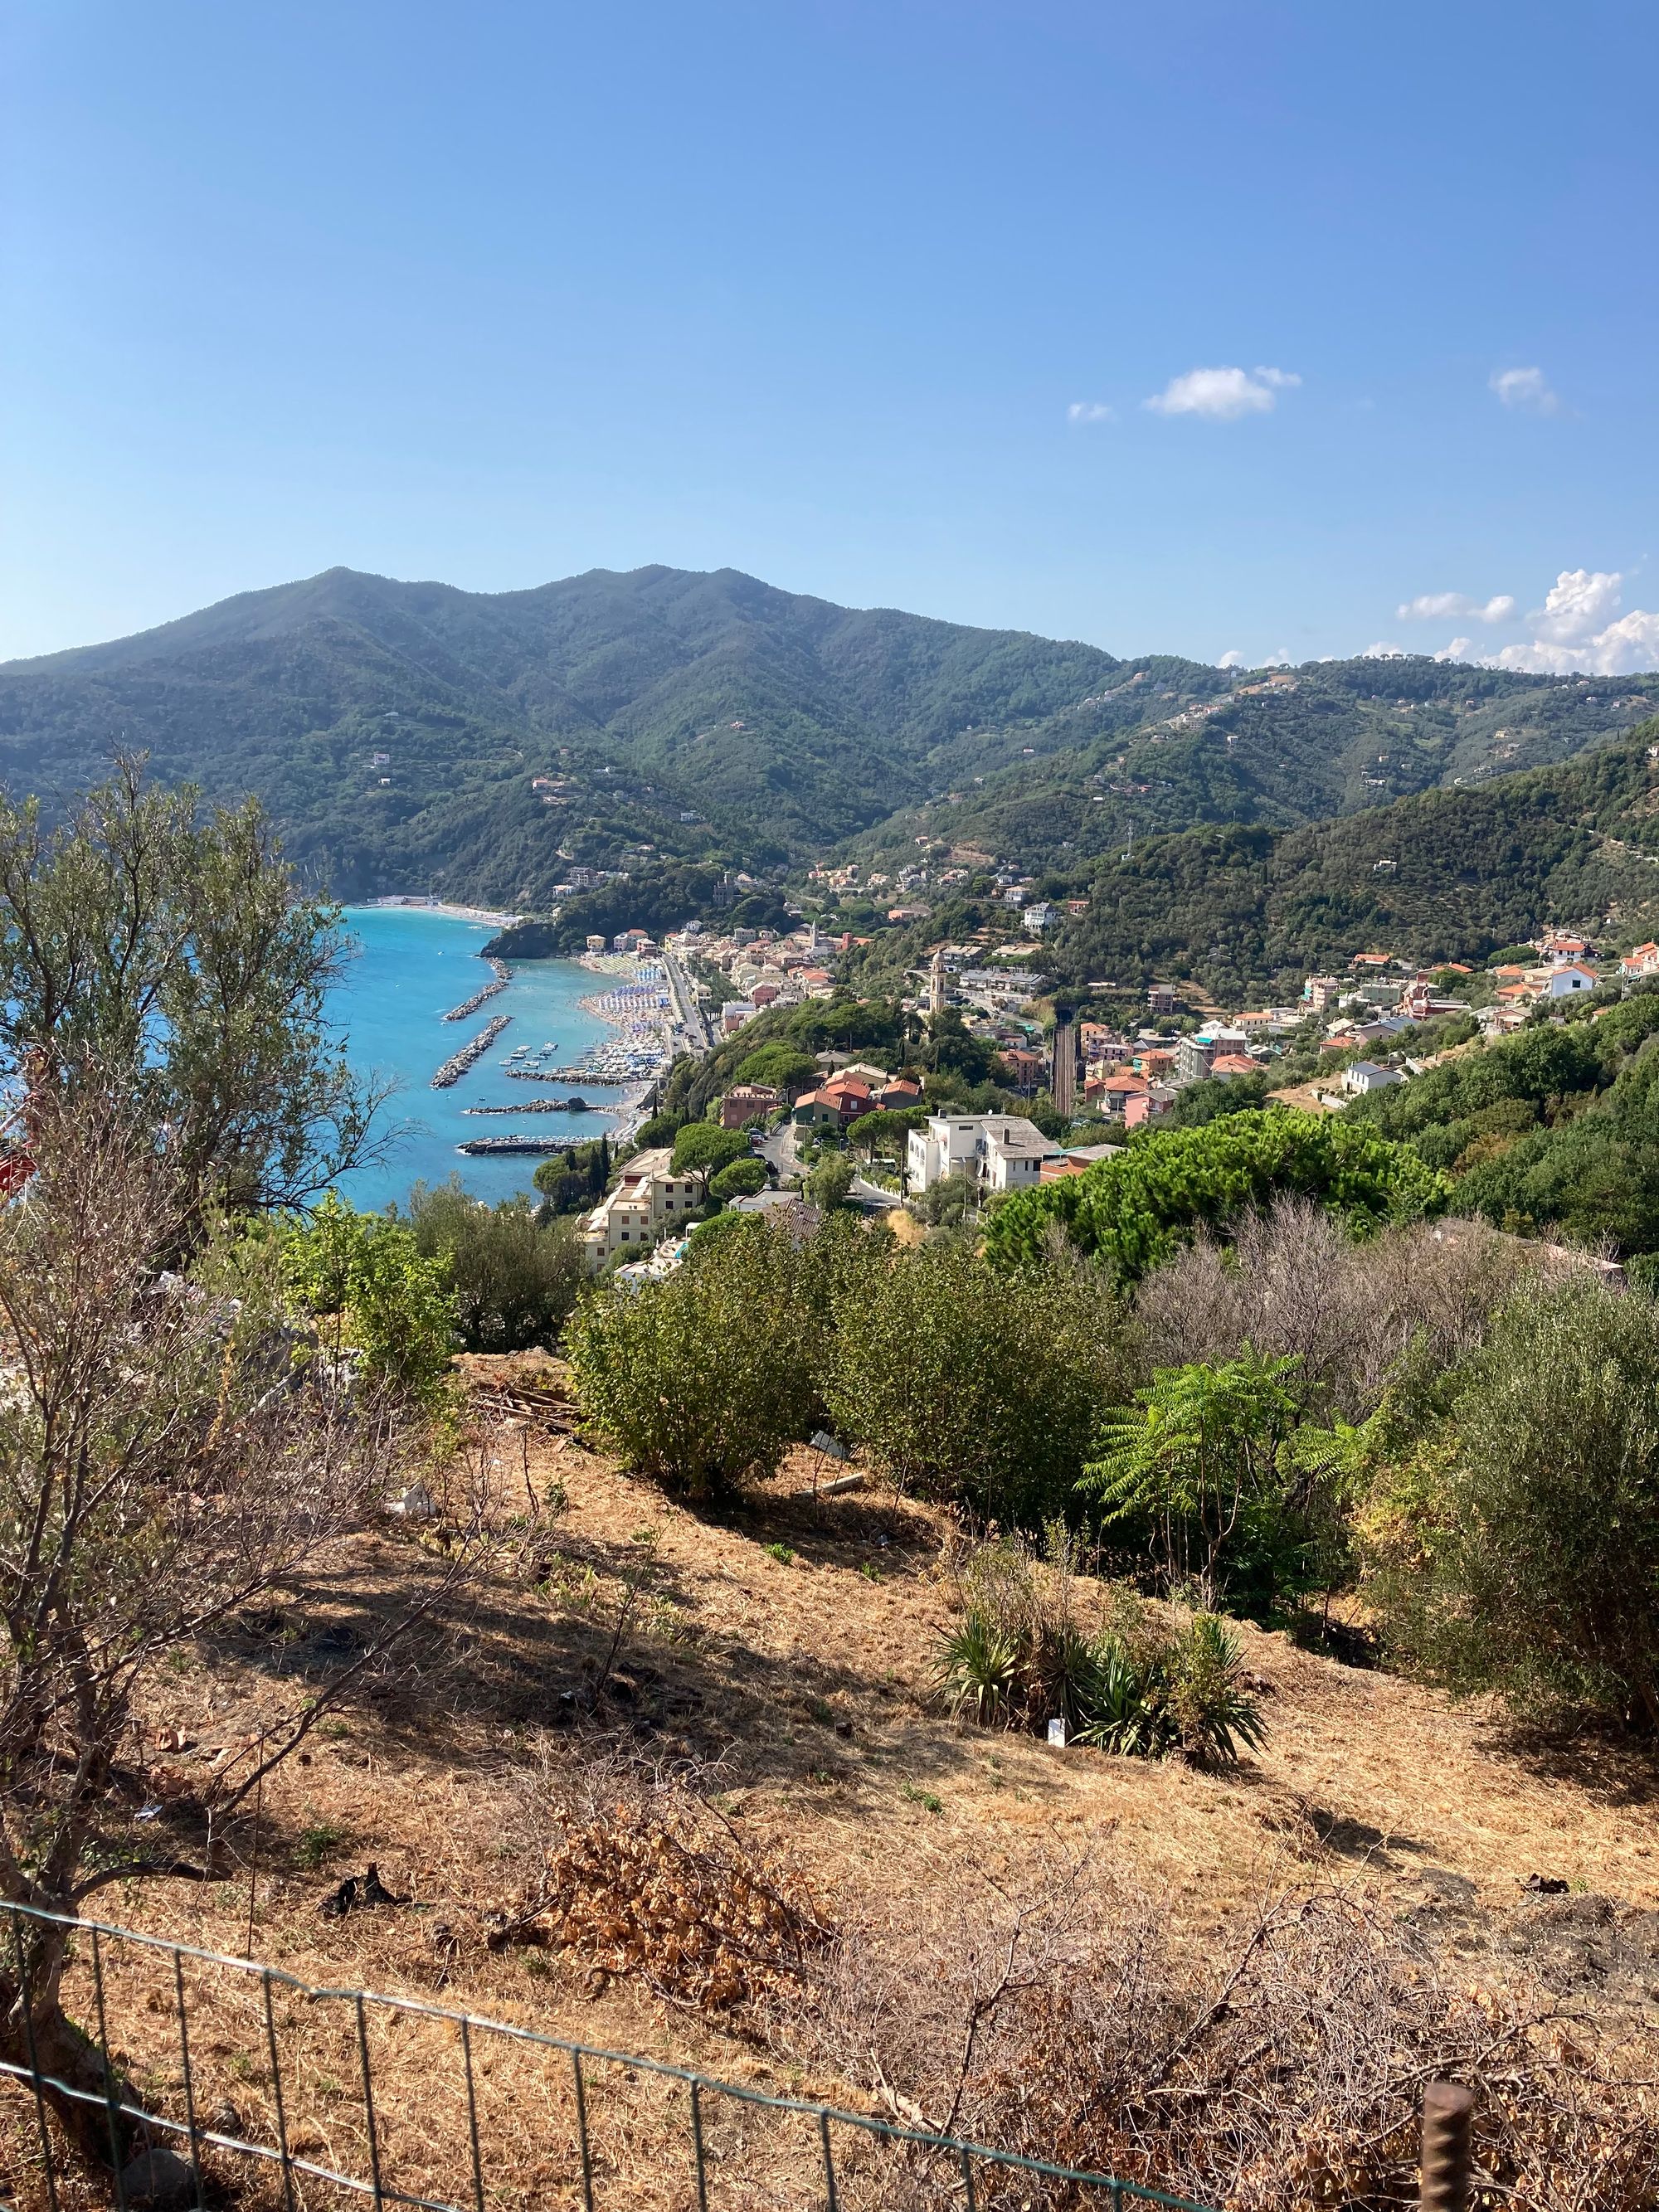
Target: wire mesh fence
{"x":276,"y":2091}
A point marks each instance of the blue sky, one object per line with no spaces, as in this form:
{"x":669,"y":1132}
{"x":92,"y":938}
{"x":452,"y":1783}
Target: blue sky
{"x":866,"y":297}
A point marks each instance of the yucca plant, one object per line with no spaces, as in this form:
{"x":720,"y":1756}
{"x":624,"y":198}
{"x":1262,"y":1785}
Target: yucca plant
{"x":1214,"y":1714}
{"x":1125,"y":1706}
{"x":978,"y":1663}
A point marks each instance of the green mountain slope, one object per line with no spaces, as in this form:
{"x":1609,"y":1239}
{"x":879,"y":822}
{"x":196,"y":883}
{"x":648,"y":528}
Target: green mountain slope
{"x":1190,"y":746}
{"x":781,"y":722}
{"x":711,"y":722}
{"x":1446,"y":874}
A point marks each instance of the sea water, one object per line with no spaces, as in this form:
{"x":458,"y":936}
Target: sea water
{"x":411,"y":966}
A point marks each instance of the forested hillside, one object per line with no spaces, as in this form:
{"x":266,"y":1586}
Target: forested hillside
{"x":1331,"y":737}
{"x":777,"y":723}
{"x":710,"y":722}
{"x":1450,"y":874}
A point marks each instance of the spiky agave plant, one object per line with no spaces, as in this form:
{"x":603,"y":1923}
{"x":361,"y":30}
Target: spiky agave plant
{"x":978,"y":1665}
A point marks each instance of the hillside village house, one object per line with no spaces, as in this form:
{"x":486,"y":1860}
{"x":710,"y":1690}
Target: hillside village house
{"x":1567,"y":978}
{"x":842,"y":1099}
{"x":749,"y":1101}
{"x":1113,"y":1093}
{"x":1364,"y":1075}
{"x":648,"y":1200}
{"x":999,"y":1152}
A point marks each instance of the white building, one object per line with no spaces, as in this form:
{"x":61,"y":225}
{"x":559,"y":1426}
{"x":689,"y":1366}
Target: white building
{"x":1364,"y":1075}
{"x":1563,"y":982}
{"x":999,"y":1152}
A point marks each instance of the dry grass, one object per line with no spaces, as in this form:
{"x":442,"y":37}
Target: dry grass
{"x":806,"y":1684}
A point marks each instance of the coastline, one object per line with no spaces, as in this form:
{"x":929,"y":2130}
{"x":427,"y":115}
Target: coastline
{"x":617,"y":967}
{"x":486,"y":916}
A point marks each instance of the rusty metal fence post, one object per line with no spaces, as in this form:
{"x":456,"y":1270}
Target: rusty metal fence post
{"x":1448,"y":2116}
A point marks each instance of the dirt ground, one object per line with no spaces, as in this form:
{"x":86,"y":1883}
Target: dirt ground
{"x":791,"y":1647}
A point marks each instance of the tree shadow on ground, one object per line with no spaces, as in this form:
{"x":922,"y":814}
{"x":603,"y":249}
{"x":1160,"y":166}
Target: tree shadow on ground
{"x":1607,"y":1764}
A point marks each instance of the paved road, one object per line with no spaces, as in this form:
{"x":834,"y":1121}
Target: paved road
{"x":779,"y":1152}
{"x":694,"y":1029}
{"x":871,"y":1194}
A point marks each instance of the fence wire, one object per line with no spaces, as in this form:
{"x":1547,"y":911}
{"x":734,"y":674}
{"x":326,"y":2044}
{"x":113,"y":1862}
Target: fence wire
{"x":239,"y":2067}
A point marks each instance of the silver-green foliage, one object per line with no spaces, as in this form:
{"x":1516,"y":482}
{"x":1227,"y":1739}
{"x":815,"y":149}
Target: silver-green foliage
{"x":1517,"y":1549}
{"x":979,"y":1387}
{"x":701,"y":1380}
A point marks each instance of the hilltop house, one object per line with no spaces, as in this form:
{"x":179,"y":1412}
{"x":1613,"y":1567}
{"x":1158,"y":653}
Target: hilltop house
{"x":999,"y":1152}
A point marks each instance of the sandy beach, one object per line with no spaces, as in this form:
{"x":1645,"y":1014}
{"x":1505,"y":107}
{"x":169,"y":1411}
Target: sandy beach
{"x":482,"y":913}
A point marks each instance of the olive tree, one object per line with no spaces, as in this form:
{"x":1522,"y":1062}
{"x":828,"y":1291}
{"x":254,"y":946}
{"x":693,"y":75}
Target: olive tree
{"x":151,"y":949}
{"x":512,"y":1277}
{"x":703,"y":1378}
{"x":972,"y":1386}
{"x":1517,"y":1549}
{"x":167,"y":1453}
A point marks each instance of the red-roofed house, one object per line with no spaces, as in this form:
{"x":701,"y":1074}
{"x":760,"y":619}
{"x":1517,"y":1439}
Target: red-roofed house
{"x":1112,"y":1093}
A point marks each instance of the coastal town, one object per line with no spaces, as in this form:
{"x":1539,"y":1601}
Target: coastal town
{"x":1057,"y":1087}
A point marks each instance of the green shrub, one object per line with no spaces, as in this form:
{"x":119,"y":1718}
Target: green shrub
{"x":1191,"y":1474}
{"x":977,"y":1387}
{"x":979,"y":1665}
{"x":1018,"y":1656}
{"x":1518,"y":1550}
{"x":830,"y":1182}
{"x":701,"y":1380}
{"x":1213,"y":1709}
{"x":1132,"y":1211}
{"x":1123,"y":1706}
{"x":1183,"y":1691}
{"x":513,"y":1276}
{"x":365,"y":1280}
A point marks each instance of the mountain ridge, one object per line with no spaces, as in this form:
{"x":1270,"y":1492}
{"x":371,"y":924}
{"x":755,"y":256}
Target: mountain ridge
{"x":416,"y":736}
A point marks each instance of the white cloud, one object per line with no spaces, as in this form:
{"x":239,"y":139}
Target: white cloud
{"x":1581,"y":601}
{"x":1279,"y":659}
{"x":1091,"y":410}
{"x":1526,"y":389}
{"x":1578,"y":631}
{"x":1233,"y":659}
{"x":1442,"y":606}
{"x":1223,"y":395}
{"x":1383,"y":651}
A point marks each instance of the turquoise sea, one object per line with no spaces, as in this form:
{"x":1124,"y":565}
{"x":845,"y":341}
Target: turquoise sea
{"x":412,"y":965}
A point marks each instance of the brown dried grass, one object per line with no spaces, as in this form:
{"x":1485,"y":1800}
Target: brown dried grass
{"x":733,"y":1659}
